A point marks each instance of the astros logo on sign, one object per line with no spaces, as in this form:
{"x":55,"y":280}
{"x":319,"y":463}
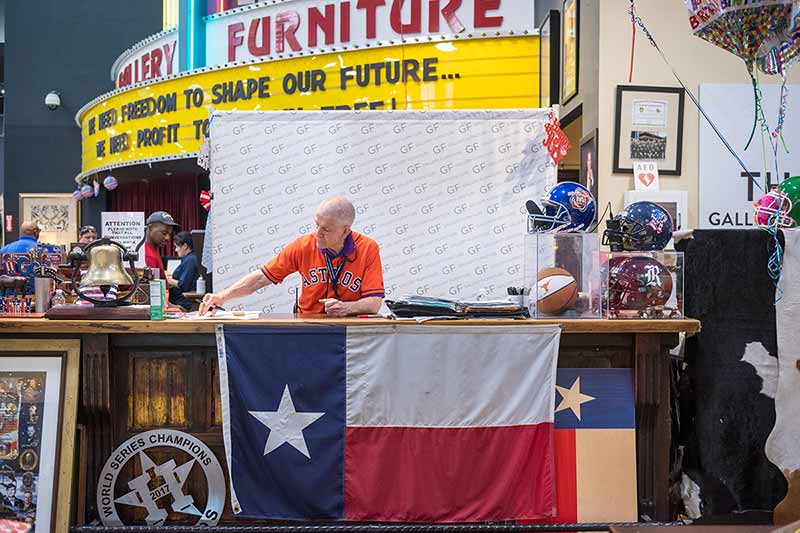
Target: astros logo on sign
{"x":149,"y":490}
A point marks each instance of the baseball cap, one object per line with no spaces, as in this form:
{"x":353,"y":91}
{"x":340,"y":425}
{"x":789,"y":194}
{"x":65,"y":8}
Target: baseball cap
{"x":161,"y":217}
{"x":87,"y":229}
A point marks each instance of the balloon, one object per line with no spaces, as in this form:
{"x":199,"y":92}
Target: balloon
{"x":76,"y":194}
{"x":110,"y":182}
{"x":86,"y":191}
{"x":741,"y":30}
{"x":780,"y":53}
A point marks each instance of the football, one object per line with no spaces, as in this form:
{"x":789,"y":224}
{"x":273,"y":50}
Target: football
{"x":556,"y":291}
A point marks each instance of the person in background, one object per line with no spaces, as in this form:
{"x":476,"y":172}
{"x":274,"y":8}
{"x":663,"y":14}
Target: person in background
{"x":28,"y":239}
{"x":184,"y":278}
{"x":87,"y":235}
{"x":160,"y":226}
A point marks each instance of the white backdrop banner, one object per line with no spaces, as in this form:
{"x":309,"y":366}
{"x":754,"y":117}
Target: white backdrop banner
{"x":442,"y":192}
{"x":726,"y":194}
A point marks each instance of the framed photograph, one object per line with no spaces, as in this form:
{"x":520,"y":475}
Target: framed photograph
{"x":550,"y":59}
{"x":2,"y":221}
{"x":588,"y":172}
{"x":570,"y":55}
{"x":675,"y":202}
{"x":649,"y":127}
{"x":38,"y":409}
{"x":57,"y":214}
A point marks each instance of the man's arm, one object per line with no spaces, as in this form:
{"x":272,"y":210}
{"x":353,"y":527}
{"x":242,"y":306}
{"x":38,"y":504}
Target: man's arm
{"x":247,"y":285}
{"x":364,"y":306}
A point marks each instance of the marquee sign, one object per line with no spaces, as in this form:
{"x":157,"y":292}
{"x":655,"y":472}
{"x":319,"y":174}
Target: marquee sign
{"x":166,"y":119}
{"x":145,"y":492}
{"x":263,"y":30}
{"x":150,"y":59}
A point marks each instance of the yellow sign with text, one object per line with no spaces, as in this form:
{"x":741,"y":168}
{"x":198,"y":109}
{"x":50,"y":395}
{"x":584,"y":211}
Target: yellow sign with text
{"x":168,"y":119}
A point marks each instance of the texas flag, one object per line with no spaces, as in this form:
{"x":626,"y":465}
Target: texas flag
{"x":390,"y":423}
{"x":595,"y":446}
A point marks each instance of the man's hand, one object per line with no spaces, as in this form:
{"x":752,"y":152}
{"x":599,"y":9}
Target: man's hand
{"x":246,"y":285}
{"x":334,"y":307}
{"x":210,"y":303}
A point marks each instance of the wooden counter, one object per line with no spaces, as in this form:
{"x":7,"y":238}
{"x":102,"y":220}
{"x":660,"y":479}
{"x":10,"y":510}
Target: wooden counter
{"x":182,"y":326}
{"x":141,"y":375}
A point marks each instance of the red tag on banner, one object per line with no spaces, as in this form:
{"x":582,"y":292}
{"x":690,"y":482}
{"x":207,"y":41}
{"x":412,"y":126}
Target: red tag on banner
{"x":205,"y":200}
{"x":9,"y":222}
{"x":556,"y":142}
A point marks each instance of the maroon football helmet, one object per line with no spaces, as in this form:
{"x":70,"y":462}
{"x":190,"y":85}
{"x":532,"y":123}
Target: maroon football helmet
{"x":636,"y":283}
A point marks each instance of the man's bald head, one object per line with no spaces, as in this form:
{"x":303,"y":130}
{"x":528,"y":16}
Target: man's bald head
{"x":338,"y":208}
{"x":29,"y":229}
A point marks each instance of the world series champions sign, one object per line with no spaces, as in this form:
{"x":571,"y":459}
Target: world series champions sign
{"x":161,"y":489}
{"x":442,"y":192}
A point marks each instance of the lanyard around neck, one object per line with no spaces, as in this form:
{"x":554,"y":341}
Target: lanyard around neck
{"x":334,"y":273}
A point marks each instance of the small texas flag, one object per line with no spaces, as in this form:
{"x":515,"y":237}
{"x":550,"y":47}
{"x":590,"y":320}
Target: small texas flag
{"x":595,"y":446}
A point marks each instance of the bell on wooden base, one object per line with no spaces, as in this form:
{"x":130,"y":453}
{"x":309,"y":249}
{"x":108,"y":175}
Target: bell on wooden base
{"x":106,"y":269}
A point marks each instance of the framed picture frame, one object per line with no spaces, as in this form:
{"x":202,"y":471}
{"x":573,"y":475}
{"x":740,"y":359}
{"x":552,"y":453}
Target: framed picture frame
{"x":571,"y":50}
{"x":676,"y":203}
{"x":550,"y":59}
{"x":2,"y":221}
{"x":649,"y":127}
{"x":38,"y":410}
{"x":57,"y":214}
{"x":588,"y":168}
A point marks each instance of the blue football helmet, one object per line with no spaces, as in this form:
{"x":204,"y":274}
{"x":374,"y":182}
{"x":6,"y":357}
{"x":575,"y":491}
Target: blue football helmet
{"x":642,"y":226}
{"x":569,"y":206}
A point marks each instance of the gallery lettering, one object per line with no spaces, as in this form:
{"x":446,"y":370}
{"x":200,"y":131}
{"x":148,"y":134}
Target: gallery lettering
{"x":737,"y":219}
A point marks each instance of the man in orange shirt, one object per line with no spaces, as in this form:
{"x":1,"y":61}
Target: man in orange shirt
{"x":341,"y":269}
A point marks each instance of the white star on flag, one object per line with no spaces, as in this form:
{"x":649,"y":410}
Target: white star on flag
{"x":286,"y":425}
{"x":572,"y":398}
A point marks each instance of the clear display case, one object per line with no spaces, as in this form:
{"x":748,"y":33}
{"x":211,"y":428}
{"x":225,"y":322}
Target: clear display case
{"x":643,"y":284}
{"x":562,"y":275}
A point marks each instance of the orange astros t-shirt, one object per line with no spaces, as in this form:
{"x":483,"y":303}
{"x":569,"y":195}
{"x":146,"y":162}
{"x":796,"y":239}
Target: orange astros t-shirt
{"x":361,"y":276}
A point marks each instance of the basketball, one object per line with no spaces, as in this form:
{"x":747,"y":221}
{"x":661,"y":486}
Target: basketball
{"x":556,"y":291}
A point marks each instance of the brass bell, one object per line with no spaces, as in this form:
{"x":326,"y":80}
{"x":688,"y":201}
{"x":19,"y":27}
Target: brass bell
{"x":105,"y":267}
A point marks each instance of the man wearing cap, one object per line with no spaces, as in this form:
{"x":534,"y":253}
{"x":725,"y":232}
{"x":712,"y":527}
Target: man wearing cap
{"x":159,"y":230}
{"x":340,"y":268}
{"x":87,"y":235}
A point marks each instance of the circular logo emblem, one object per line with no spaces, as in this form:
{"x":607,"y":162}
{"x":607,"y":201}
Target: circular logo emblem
{"x":148,"y":491}
{"x":580,"y":199}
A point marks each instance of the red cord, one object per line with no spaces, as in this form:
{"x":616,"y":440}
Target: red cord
{"x":633,"y":48}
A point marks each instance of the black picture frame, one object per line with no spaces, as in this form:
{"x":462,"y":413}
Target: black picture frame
{"x":588,"y":166}
{"x":550,"y":59}
{"x":566,"y":73}
{"x":674,"y":127}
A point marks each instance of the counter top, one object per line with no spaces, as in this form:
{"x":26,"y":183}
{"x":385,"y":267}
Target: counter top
{"x":177,"y":326}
